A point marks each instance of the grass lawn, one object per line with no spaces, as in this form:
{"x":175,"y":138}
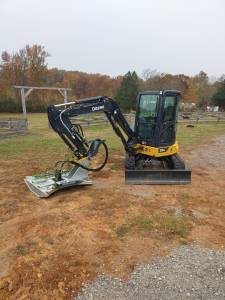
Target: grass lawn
{"x":50,"y":247}
{"x":42,"y":140}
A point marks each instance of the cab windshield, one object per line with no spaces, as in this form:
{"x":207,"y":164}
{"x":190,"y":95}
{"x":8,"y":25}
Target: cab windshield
{"x":147,"y":115}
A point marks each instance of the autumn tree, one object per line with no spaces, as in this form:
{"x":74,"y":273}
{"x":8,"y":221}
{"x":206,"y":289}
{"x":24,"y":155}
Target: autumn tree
{"x":201,"y":82}
{"x":55,"y":76}
{"x":191,"y":94}
{"x":27,"y":66}
{"x":154,"y":80}
{"x":128,"y":90}
{"x":219,"y":97}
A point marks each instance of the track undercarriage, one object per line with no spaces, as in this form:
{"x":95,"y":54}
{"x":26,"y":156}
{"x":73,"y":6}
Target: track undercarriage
{"x":150,"y":170}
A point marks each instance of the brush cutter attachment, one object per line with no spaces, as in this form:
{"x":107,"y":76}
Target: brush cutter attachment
{"x":45,"y":185}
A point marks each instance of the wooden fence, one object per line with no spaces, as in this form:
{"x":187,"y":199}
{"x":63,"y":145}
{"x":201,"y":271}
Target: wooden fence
{"x":12,"y":127}
{"x":100,"y":120}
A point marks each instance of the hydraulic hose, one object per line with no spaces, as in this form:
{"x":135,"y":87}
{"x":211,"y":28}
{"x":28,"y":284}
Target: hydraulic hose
{"x":87,"y":168}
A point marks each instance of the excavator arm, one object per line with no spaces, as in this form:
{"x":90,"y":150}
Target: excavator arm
{"x":60,"y":119}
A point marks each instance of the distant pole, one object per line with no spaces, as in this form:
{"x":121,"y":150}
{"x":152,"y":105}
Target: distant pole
{"x":65,"y":96}
{"x":23,"y":103}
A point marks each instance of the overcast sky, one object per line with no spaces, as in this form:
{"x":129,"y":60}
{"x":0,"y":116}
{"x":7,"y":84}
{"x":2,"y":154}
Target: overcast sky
{"x":114,"y":36}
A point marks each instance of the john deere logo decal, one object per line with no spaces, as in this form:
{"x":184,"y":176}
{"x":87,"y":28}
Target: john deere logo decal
{"x":162,"y":150}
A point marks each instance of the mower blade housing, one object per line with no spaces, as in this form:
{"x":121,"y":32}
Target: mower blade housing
{"x":45,"y":185}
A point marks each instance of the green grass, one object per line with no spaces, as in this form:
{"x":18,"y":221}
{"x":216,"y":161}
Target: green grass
{"x":24,"y":249}
{"x":165,"y":224}
{"x":21,"y":250}
{"x":42,"y":142}
{"x":199,"y":133}
{"x":171,"y":225}
{"x":122,"y":230}
{"x":143,"y":222}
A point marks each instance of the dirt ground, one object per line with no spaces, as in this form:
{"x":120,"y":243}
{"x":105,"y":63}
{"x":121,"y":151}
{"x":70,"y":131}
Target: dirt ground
{"x":50,"y":247}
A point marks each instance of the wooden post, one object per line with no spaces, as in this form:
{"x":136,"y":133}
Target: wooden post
{"x":65,"y":96}
{"x":23,"y":103}
{"x":26,"y":90}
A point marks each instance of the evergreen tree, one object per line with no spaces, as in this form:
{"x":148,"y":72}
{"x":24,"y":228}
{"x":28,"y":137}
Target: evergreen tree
{"x":219,"y":96}
{"x":127,"y":92}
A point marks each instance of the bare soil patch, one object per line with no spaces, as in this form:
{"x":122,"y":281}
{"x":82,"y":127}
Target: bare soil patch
{"x":50,"y":247}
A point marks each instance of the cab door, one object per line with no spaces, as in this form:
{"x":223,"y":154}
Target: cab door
{"x":168,"y":119}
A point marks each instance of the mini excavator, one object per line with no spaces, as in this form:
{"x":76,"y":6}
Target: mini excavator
{"x":151,"y":149}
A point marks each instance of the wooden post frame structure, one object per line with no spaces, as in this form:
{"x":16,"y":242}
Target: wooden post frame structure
{"x":26,"y":90}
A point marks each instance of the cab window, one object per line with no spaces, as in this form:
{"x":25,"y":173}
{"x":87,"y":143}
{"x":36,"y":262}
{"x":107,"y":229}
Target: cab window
{"x":169,"y":108}
{"x":148,"y":106}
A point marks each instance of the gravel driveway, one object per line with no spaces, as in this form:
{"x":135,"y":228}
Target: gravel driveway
{"x":187,"y":273}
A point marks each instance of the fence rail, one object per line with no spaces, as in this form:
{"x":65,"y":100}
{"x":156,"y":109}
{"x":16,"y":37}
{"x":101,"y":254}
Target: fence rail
{"x":89,"y":120}
{"x":12,"y":127}
{"x":13,"y":124}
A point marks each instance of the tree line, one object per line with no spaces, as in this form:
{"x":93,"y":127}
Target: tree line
{"x":28,"y":66}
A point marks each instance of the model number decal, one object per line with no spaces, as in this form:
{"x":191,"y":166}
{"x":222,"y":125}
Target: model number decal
{"x":97,"y":107}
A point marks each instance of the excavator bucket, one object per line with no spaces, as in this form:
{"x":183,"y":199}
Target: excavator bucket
{"x":164,"y":176}
{"x":45,"y":185}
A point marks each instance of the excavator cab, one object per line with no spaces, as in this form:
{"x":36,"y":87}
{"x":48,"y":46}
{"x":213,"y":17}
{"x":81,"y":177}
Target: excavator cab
{"x":156,"y":114}
{"x":156,"y":159}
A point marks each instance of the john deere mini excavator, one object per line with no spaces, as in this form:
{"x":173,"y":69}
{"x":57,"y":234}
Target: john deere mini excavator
{"x":151,"y":148}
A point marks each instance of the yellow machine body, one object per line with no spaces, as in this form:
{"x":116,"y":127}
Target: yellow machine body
{"x":156,"y":151}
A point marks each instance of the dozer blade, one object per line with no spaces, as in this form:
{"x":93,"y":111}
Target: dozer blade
{"x":45,"y":185}
{"x":163,"y":176}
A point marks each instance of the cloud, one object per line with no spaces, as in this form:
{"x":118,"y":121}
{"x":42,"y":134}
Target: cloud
{"x":114,"y":36}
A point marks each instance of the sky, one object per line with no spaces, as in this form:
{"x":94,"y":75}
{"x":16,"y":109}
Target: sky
{"x":114,"y":36}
